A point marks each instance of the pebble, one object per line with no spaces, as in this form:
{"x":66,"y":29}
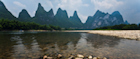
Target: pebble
{"x":90,"y":57}
{"x":104,"y":58}
{"x":71,"y":57}
{"x":94,"y":57}
{"x":45,"y":57}
{"x":59,"y":56}
{"x":49,"y":57}
{"x":80,"y":56}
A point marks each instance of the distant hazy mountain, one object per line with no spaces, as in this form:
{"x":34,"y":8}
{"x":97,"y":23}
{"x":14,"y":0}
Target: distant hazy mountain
{"x":76,"y":20}
{"x":101,"y":19}
{"x":61,"y":18}
{"x":4,"y":13}
{"x":24,"y":16}
{"x":126,"y":22}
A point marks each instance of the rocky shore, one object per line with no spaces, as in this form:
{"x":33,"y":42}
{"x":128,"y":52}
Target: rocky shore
{"x":129,"y":34}
{"x":78,"y":56}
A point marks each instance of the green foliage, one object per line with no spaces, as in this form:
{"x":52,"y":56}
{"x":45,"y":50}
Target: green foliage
{"x":0,"y":27}
{"x":16,"y":25}
{"x":131,"y":27}
{"x":120,"y":27}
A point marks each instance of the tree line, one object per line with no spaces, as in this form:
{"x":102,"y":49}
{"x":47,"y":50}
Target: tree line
{"x":17,"y":25}
{"x":120,"y":27}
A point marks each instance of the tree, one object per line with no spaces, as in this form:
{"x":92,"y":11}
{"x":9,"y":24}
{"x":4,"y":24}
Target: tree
{"x":0,"y":27}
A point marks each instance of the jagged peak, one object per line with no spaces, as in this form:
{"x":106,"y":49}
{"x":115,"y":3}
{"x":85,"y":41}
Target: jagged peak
{"x":75,"y":13}
{"x":40,"y":9}
{"x":98,"y":12}
{"x":39,"y":4}
{"x":59,"y":9}
{"x":24,"y":10}
{"x":126,"y":22}
{"x":51,"y":10}
{"x":116,"y":13}
{"x":1,"y":3}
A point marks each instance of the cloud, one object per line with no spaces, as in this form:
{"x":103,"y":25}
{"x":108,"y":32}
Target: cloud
{"x":71,"y":4}
{"x":106,"y":4}
{"x":19,"y":4}
{"x":86,"y":5}
{"x":49,"y":3}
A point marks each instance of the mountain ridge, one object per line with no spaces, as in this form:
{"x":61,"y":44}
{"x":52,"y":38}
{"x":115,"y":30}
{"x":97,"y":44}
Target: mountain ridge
{"x":5,"y":13}
{"x":24,"y":16}
{"x":99,"y":19}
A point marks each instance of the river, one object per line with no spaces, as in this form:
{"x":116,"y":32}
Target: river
{"x":33,"y":45}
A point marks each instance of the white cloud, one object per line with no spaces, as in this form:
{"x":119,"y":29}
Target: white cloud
{"x":86,"y":5}
{"x":49,"y":3}
{"x":106,"y":4}
{"x":71,"y":4}
{"x":19,"y":4}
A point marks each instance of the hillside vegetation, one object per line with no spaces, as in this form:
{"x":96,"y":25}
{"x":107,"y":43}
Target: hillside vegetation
{"x":17,"y":25}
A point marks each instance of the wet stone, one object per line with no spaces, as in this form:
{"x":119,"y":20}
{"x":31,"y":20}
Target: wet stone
{"x":90,"y":57}
{"x":104,"y":58}
{"x":95,"y":58}
{"x":80,"y":56}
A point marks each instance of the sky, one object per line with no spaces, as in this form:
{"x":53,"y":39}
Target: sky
{"x":129,"y":9}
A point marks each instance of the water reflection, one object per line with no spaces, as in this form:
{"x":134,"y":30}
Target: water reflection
{"x":35,"y":45}
{"x":6,"y":46}
{"x":100,"y":41}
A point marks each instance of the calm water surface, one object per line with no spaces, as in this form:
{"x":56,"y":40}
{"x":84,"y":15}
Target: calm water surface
{"x":33,"y":45}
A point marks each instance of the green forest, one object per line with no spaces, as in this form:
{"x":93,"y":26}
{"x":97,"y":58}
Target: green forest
{"x":120,"y":27}
{"x":17,"y":25}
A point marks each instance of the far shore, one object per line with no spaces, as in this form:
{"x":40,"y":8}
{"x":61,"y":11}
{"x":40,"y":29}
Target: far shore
{"x":128,"y":34}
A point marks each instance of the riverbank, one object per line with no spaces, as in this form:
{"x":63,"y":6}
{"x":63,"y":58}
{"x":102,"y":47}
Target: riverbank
{"x":129,"y":34}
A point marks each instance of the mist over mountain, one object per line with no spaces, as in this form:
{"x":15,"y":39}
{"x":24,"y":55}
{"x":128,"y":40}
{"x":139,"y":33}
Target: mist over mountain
{"x":99,"y":19}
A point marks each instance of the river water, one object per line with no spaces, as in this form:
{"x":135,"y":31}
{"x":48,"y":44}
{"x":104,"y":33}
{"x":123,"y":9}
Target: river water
{"x":33,"y":45}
